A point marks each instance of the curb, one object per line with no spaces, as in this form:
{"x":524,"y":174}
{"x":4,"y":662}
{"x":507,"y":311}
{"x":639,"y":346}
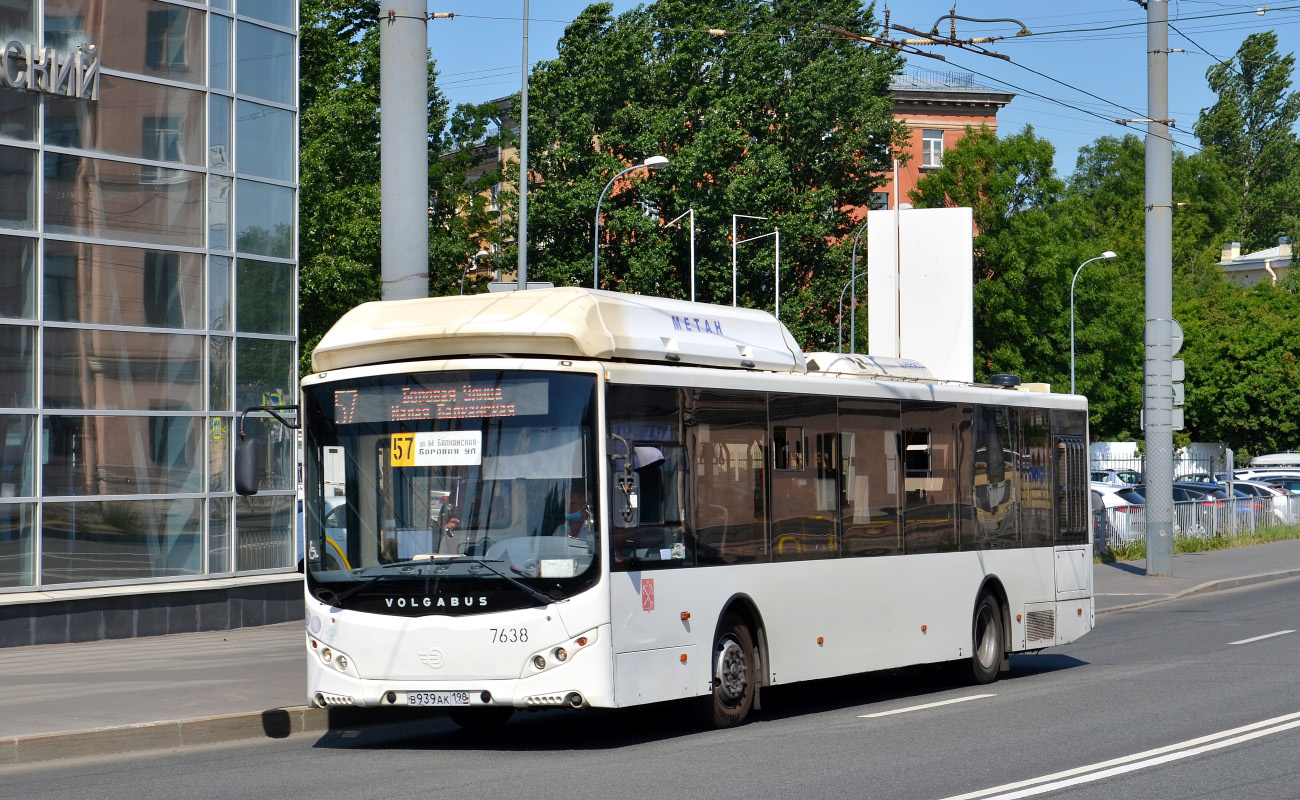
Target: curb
{"x":274,"y":723}
{"x":1209,"y":586}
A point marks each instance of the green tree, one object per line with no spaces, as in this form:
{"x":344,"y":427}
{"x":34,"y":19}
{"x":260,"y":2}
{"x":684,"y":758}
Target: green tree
{"x":774,"y":120}
{"x":1251,"y":130}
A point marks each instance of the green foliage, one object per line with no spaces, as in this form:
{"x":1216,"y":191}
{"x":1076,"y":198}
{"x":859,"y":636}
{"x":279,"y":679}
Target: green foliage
{"x":1250,"y":129}
{"x":786,"y":123}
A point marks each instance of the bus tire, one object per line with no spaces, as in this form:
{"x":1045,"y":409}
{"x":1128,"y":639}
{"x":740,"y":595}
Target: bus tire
{"x":733,"y":671}
{"x":987,"y":641}
{"x":487,"y":718}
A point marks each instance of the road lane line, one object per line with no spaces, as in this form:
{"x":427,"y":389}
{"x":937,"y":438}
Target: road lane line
{"x":1058,"y":780}
{"x":927,"y":705}
{"x":1260,"y":638}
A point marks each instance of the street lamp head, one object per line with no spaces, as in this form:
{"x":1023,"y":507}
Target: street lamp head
{"x":654,"y":162}
{"x":1109,"y":254}
{"x":482,"y":254}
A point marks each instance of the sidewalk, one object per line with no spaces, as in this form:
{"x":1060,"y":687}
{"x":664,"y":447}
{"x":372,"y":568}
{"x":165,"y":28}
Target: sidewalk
{"x":96,"y":698}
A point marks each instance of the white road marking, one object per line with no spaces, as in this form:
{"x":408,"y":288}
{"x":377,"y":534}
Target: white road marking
{"x":1265,"y":636}
{"x":927,"y":705}
{"x":1150,"y":758}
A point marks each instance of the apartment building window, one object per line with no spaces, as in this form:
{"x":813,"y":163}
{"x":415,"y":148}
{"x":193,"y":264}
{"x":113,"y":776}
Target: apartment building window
{"x":931,"y":149}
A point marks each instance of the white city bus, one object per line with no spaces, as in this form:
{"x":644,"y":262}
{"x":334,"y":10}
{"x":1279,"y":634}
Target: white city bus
{"x":577,"y":498}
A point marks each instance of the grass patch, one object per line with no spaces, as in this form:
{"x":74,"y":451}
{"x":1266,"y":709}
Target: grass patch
{"x":1199,"y":544}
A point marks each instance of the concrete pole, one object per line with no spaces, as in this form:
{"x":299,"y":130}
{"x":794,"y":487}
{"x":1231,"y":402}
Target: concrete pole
{"x":404,"y":148}
{"x":1158,"y":385}
{"x":522,"y":263}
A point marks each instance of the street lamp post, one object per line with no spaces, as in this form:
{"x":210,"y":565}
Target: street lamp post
{"x":653,"y":162}
{"x":776,"y":270}
{"x":1106,"y":255}
{"x":853,"y":325}
{"x":669,"y":225}
{"x":473,"y":264}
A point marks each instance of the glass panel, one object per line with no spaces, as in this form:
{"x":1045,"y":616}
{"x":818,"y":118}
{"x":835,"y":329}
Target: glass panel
{"x":219,"y":524}
{"x":265,"y":532}
{"x":102,"y":369}
{"x":173,"y":45}
{"x":995,"y":478}
{"x":650,"y":420}
{"x":108,"y":285}
{"x":113,"y":200}
{"x":219,"y":29}
{"x":224,"y":5}
{"x":17,"y":277}
{"x":133,"y":119}
{"x":869,"y":431}
{"x":1035,"y":478}
{"x":728,"y":451}
{"x":219,"y":133}
{"x":121,"y":540}
{"x":281,"y":443}
{"x":265,"y":137}
{"x":17,"y":188}
{"x":17,"y":366}
{"x":18,"y":20}
{"x":265,"y":64}
{"x":18,"y":459}
{"x":219,"y":352}
{"x":219,"y":187}
{"x":219,"y":318}
{"x":18,"y":111}
{"x":264,"y":297}
{"x":805,"y":477}
{"x":17,"y":544}
{"x":264,"y":219}
{"x":122,"y":455}
{"x":276,"y":12}
{"x":512,"y":479}
{"x":937,"y":504}
{"x":265,"y":373}
{"x":220,"y":441}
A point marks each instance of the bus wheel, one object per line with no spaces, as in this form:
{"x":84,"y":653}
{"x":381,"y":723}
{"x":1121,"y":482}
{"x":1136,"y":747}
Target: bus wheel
{"x":987,"y":643}
{"x":481,"y":719}
{"x":734,"y":673}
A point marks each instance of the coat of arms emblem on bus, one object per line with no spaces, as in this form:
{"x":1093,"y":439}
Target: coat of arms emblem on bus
{"x":647,"y":594}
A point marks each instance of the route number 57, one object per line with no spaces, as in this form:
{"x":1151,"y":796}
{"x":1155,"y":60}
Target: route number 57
{"x":403,"y":450}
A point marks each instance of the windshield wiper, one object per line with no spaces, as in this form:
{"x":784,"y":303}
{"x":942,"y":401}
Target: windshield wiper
{"x":537,"y":595}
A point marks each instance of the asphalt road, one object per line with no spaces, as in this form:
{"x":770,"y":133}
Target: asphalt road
{"x":1178,"y":700}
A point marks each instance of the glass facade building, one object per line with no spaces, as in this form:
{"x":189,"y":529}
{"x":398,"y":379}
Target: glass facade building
{"x":148,"y":289}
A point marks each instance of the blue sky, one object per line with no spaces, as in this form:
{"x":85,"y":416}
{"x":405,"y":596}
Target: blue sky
{"x":1091,"y":55}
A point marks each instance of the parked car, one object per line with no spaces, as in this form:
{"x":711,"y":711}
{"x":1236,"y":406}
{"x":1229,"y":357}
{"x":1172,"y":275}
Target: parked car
{"x":1205,"y":509}
{"x":1124,"y":516}
{"x":1116,"y":477}
{"x":1277,"y":498}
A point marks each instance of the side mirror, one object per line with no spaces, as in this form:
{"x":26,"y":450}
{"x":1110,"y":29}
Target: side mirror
{"x":250,"y":455}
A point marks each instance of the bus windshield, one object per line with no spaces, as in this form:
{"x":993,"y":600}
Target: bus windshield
{"x":436,"y":487}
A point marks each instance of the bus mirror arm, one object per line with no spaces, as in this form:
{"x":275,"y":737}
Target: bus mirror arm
{"x":250,"y":454}
{"x":627,"y":490}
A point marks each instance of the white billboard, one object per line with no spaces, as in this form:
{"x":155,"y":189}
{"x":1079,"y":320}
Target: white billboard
{"x":919,"y":295}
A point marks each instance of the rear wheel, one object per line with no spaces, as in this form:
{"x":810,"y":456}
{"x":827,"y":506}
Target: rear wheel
{"x":483,"y":718}
{"x":734,"y":672}
{"x":987,"y":648}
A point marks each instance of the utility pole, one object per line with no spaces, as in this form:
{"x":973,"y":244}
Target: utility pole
{"x":1158,"y":339}
{"x":404,"y":149}
{"x":522,"y":261}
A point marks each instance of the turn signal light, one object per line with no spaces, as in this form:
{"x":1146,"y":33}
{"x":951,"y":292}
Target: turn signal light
{"x":683,"y":658}
{"x":821,"y":640}
{"x":922,"y":629}
{"x":686,"y":615}
{"x":582,"y":641}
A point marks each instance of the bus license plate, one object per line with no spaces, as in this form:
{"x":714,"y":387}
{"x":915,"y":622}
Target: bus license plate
{"x":437,"y":698}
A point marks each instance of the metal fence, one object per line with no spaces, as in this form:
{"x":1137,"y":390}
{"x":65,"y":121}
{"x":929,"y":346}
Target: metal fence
{"x":1185,"y":468}
{"x":1113,"y":527}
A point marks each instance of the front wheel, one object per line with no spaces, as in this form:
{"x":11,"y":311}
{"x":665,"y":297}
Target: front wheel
{"x":734,"y":673}
{"x":987,"y":648}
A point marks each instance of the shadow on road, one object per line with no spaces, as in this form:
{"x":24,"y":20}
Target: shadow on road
{"x":603,"y":729}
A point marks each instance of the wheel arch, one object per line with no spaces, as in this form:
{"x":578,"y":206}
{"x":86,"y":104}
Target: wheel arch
{"x":743,"y":606}
{"x":992,"y":585}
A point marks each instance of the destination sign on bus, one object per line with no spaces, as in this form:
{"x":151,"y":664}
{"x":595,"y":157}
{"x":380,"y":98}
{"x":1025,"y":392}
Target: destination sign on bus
{"x":460,"y":400}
